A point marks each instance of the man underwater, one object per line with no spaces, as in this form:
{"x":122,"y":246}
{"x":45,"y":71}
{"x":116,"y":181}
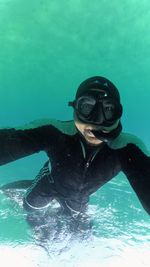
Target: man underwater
{"x":83,"y":154}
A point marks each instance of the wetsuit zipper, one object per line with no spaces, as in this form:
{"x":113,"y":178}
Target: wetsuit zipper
{"x":88,"y":162}
{"x":87,"y":165}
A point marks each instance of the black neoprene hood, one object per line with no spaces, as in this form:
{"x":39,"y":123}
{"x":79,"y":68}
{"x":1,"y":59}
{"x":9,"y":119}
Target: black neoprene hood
{"x":98,"y":82}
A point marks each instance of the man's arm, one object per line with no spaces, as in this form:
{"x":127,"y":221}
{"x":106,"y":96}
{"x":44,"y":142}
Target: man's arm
{"x":16,"y":144}
{"x":136,"y":166}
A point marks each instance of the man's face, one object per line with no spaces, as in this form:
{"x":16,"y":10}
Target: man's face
{"x":86,"y":130}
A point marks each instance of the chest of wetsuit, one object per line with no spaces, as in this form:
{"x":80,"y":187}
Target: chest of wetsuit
{"x":76,"y":173}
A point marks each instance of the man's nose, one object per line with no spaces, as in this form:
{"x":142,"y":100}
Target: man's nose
{"x":97,"y":114}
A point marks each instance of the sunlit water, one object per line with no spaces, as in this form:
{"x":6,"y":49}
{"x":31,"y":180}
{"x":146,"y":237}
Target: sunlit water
{"x":120,"y":234}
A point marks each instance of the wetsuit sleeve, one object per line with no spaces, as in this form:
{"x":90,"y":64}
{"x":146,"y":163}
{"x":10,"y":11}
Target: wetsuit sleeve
{"x":136,"y":166}
{"x":66,"y":127}
{"x":16,"y":144}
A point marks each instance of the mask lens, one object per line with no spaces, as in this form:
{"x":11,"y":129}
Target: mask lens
{"x":108,"y":109}
{"x":85,"y":105}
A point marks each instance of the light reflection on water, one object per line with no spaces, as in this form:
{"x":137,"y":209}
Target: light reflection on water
{"x":99,"y":252}
{"x":120,"y":235}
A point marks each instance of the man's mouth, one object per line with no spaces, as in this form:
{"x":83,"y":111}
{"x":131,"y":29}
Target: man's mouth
{"x":88,"y":132}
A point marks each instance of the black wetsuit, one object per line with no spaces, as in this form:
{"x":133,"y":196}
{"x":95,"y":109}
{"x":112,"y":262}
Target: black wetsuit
{"x":74,"y":170}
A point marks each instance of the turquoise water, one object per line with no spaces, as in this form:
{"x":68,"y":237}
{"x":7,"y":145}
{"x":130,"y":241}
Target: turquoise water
{"x":46,"y":49}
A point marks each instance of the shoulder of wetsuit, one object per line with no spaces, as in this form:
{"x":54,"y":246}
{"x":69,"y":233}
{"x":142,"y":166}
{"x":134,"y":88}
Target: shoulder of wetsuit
{"x":125,"y":138}
{"x":66,"y":127}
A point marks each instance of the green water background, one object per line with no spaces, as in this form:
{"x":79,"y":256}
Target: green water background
{"x":48,"y":47}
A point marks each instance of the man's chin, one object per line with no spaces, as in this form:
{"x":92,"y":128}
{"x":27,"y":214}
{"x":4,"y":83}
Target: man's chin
{"x":92,"y":140}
